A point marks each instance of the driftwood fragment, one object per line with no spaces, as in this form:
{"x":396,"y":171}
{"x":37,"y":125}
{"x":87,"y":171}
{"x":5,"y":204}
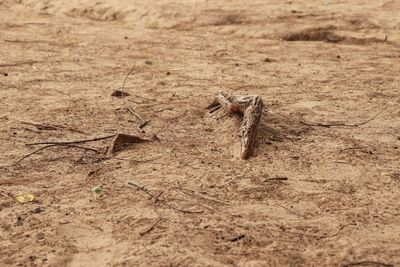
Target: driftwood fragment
{"x":251,"y":108}
{"x":121,"y":141}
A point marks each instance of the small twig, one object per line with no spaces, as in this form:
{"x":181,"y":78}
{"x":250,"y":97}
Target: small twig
{"x":320,"y":236}
{"x":131,"y":160}
{"x":294,"y":213}
{"x":142,"y":122}
{"x":26,"y":41}
{"x":145,"y":190}
{"x":53,"y":145}
{"x":182,"y":210}
{"x":277,"y":179}
{"x":215,"y":108}
{"x":80,"y":147}
{"x":32,"y":153}
{"x":126,"y":78}
{"x":141,"y":188}
{"x":368,"y":262}
{"x":19,"y":63}
{"x":157,"y":221}
{"x":137,"y":116}
{"x":206,"y":207}
{"x":151,"y":227}
{"x":328,"y":125}
{"x":43,"y":126}
{"x":236,"y":238}
{"x":72,"y":142}
{"x":156,"y":199}
{"x":197,"y":195}
{"x":353,"y":148}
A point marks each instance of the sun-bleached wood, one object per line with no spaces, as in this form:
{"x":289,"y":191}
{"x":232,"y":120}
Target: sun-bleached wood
{"x":251,"y":108}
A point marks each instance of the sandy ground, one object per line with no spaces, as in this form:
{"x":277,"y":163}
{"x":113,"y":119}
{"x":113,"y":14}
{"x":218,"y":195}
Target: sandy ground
{"x":328,"y":62}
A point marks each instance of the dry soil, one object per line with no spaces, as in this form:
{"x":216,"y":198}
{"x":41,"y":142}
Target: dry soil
{"x":322,"y":189}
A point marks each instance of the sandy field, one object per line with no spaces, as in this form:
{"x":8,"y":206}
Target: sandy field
{"x":323,"y":185}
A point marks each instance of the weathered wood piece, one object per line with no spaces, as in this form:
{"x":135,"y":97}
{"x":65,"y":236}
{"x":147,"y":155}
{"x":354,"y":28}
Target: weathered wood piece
{"x":251,"y":108}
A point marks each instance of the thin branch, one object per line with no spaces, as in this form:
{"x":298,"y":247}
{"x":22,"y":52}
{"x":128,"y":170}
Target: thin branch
{"x":156,"y":199}
{"x":294,"y":213}
{"x":155,"y":202}
{"x":72,"y":142}
{"x":27,"y":41}
{"x":137,"y":116}
{"x":197,"y":195}
{"x":369,"y":263}
{"x":145,"y":190}
{"x":32,"y":153}
{"x":182,"y":210}
{"x":141,"y":188}
{"x":44,"y":126}
{"x":142,"y":122}
{"x":277,"y":179}
{"x":151,"y":227}
{"x":53,"y":145}
{"x":321,"y":236}
{"x":80,"y":147}
{"x":206,"y":207}
{"x":41,"y":126}
{"x":31,"y":62}
{"x":126,"y":78}
{"x":132,"y":160}
{"x":328,"y":125}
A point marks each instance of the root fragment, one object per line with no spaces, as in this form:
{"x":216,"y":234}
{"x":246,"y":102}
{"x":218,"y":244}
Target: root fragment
{"x":251,"y":108}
